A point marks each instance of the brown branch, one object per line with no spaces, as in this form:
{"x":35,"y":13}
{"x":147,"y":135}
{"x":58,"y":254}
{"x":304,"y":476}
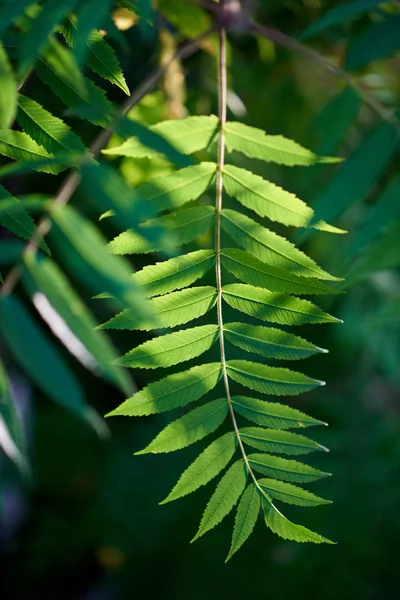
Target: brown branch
{"x":70,"y":184}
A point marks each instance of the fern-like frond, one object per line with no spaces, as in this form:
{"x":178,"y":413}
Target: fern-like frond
{"x":172,"y":348}
{"x":189,"y":429}
{"x":170,"y":310}
{"x":171,"y":392}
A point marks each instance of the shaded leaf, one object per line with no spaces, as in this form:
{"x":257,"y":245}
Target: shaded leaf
{"x":287,"y":530}
{"x":187,"y":430}
{"x":272,"y":414}
{"x":70,"y":320}
{"x":227,"y":493}
{"x":33,"y":350}
{"x":270,"y":380}
{"x":270,"y":247}
{"x":277,"y":308}
{"x":281,"y":442}
{"x":172,"y":348}
{"x":8,"y":86}
{"x":282,"y":468}
{"x":178,"y":389}
{"x":206,"y":466}
{"x":269,"y":342}
{"x":246,"y":518}
{"x":169,"y":310}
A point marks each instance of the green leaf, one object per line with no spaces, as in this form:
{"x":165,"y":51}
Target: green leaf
{"x":18,"y":221}
{"x":381,"y":255}
{"x":10,"y":11}
{"x":227,"y":493}
{"x":109,"y":191}
{"x":246,"y":518}
{"x":277,"y":308}
{"x":63,"y":65}
{"x":12,"y":437}
{"x":49,"y":16}
{"x":89,"y":15}
{"x":270,"y":380}
{"x":378,"y":219}
{"x":101,"y":58}
{"x":250,"y":269}
{"x":33,"y":350}
{"x":178,"y":389}
{"x":172,"y":348}
{"x":379,"y":41}
{"x":70,"y":320}
{"x":269,"y":342}
{"x":269,"y":200}
{"x":287,"y":530}
{"x":19,"y":146}
{"x":87,"y":101}
{"x":289,"y":493}
{"x":282,"y":468}
{"x":175,"y":273}
{"x":206,"y":466}
{"x":126,"y":128}
{"x":359,"y":173}
{"x":187,"y":430}
{"x":255,"y":143}
{"x":47,"y":131}
{"x":186,"y":135}
{"x":84,"y":249}
{"x":340,"y":14}
{"x":272,"y":414}
{"x":10,"y":251}
{"x":174,"y":190}
{"x":185,"y":225}
{"x":8,"y":86}
{"x":169,"y":310}
{"x":281,"y":442}
{"x":269,"y":247}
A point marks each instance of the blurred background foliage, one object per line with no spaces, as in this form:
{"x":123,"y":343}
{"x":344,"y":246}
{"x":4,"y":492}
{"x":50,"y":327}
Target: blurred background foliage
{"x":88,"y":526}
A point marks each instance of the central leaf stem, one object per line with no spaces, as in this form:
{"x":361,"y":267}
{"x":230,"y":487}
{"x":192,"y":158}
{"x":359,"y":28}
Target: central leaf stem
{"x":218,"y":208}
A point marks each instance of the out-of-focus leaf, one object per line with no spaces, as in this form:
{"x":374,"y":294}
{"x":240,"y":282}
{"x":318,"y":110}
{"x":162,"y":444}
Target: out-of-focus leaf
{"x":70,"y":320}
{"x":16,"y":219}
{"x":359,"y":173}
{"x":84,"y":249}
{"x":12,"y":438}
{"x":17,"y":145}
{"x":379,"y":41}
{"x":340,"y":14}
{"x":8,"y":95}
{"x":33,"y":350}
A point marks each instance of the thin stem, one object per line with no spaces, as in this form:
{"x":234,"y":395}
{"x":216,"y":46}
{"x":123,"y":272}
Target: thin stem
{"x":218,"y":208}
{"x":71,"y":182}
